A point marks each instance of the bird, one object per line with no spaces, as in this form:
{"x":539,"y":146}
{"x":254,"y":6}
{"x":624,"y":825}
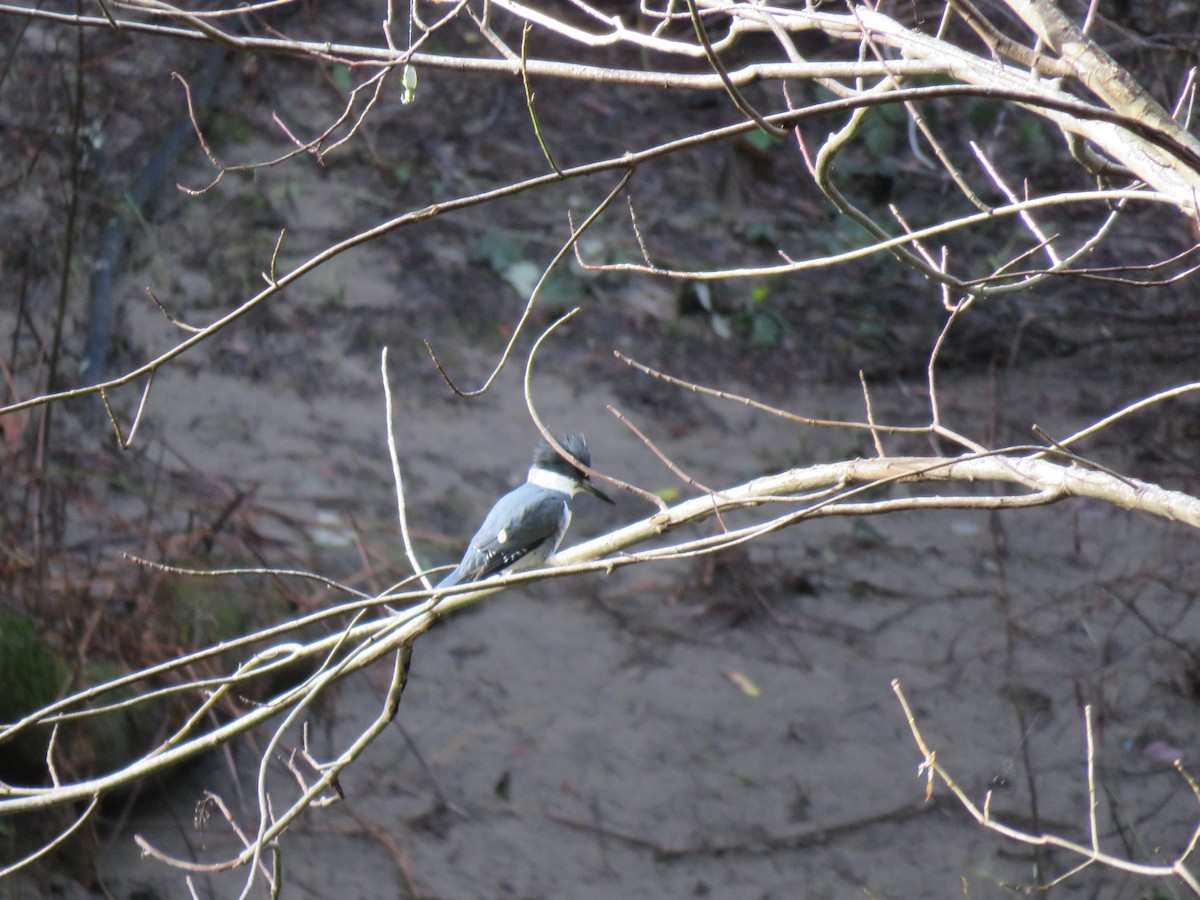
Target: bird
{"x":528,"y":523}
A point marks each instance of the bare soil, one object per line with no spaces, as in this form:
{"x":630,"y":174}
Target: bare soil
{"x":723,"y":727}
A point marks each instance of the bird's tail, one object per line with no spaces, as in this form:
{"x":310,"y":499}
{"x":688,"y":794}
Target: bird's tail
{"x":452,"y":579}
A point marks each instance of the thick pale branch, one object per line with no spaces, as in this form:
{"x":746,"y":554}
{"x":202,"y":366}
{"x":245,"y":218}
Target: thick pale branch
{"x":1094,"y":68}
{"x":1174,"y":175}
{"x":1030,"y":473}
{"x":911,"y":237}
{"x":1040,"y":481}
{"x":542,"y":68}
{"x":1150,"y":150}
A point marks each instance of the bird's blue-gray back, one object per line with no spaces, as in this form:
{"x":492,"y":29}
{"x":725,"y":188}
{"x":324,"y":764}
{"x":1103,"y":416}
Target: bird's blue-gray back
{"x":522,"y":526}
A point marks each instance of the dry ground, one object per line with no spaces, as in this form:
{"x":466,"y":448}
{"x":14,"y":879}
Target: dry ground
{"x":596,"y":737}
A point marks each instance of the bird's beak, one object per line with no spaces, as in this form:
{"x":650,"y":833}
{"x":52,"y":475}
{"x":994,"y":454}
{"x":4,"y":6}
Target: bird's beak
{"x":596,"y":492}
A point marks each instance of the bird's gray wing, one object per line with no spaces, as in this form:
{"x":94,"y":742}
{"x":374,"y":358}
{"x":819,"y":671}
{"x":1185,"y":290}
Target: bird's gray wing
{"x":520,"y":523}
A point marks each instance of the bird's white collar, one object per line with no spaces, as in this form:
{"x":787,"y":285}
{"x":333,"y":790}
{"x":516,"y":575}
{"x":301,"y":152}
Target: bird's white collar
{"x":553,"y":481}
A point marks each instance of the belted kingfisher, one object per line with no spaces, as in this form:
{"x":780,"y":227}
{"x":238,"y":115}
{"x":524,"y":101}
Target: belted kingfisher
{"x":527,"y":524}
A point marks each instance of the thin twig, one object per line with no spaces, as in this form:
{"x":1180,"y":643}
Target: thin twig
{"x":397,"y":474}
{"x":537,"y":130}
{"x":730,"y":88}
{"x":875,"y":436}
{"x":1026,"y":215}
{"x":125,"y":442}
{"x":49,"y":846}
{"x":525,"y":314}
{"x":1091,"y":854}
{"x":666,"y":461}
{"x":763,"y":407}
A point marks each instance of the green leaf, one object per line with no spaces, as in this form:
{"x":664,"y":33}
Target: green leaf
{"x":496,"y":250}
{"x":880,"y":137}
{"x":766,"y":329}
{"x":563,"y":289}
{"x":522,"y":276}
{"x":341,"y":78}
{"x":760,"y":233}
{"x":721,"y":326}
{"x":760,"y":140}
{"x":408,"y":85}
{"x":865,"y":535}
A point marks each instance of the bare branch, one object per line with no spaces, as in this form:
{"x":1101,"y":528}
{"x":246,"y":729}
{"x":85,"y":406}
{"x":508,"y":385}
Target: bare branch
{"x":931,"y":769}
